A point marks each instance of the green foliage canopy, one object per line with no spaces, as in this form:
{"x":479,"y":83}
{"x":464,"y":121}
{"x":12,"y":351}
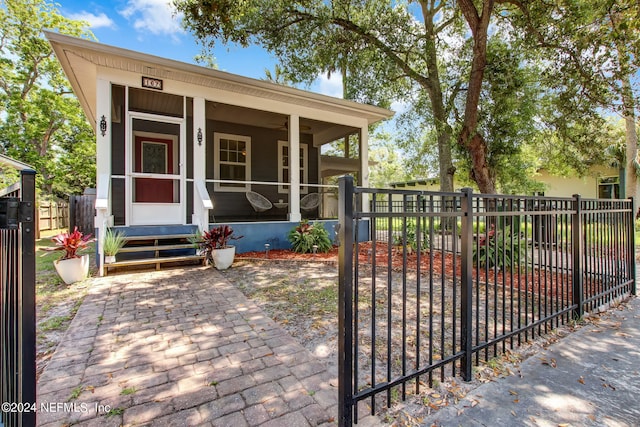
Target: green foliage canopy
{"x":41,"y":122}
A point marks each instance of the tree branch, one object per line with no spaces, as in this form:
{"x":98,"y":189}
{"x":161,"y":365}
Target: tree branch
{"x":445,"y":24}
{"x":367,"y":36}
{"x":543,"y":43}
{"x":470,"y":14}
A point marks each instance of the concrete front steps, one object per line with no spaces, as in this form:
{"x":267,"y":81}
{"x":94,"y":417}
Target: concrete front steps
{"x":156,"y":245}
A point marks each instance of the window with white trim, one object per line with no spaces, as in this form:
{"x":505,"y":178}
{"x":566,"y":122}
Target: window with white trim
{"x":284,"y":167}
{"x":232,"y":161}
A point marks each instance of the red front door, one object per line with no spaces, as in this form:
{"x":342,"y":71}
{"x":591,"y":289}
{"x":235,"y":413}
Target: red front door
{"x":155,"y":156}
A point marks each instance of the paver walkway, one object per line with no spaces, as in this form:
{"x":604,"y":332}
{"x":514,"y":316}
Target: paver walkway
{"x":181,"y":347}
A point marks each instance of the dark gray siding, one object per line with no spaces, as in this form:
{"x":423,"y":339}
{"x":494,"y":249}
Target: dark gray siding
{"x":189,"y":201}
{"x":117,"y":131}
{"x":264,"y":167}
{"x":117,"y":201}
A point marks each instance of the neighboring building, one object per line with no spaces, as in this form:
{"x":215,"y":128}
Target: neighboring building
{"x":423,"y":184}
{"x":182,"y":145}
{"x":600,"y":182}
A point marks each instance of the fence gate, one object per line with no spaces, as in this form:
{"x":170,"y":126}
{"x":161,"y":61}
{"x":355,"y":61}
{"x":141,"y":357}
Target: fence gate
{"x":17,"y":303}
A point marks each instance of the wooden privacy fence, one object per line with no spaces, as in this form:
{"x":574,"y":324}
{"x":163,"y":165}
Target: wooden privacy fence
{"x":52,"y":215}
{"x":82,"y":210}
{"x":58,"y":214}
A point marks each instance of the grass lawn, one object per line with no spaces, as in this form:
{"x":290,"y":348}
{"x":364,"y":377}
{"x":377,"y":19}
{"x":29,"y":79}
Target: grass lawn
{"x":56,"y":302}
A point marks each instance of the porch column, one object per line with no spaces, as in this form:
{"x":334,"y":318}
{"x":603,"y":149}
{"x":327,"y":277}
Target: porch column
{"x":103,"y":164}
{"x":294,"y":168}
{"x":364,"y":164}
{"x":200,"y":205}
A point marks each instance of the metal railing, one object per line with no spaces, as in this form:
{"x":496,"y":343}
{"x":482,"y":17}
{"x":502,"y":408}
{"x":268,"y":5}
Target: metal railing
{"x":17,"y":303}
{"x":451,"y":280}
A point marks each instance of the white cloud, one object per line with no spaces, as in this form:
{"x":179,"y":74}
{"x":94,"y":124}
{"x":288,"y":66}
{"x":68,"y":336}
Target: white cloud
{"x":154,"y":17}
{"x":331,"y":86}
{"x":95,"y":21}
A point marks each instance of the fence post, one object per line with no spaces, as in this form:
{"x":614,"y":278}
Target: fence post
{"x":73,"y":215}
{"x":577,"y":249}
{"x":466,"y":285}
{"x":28,"y":294}
{"x":632,"y":248}
{"x":345,"y":315}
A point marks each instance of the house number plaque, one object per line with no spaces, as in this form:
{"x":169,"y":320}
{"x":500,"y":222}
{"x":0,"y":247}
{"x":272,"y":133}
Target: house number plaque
{"x":151,"y":83}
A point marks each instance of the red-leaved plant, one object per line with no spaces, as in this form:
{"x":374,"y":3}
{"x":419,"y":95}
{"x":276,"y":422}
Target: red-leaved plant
{"x":70,"y":243}
{"x":216,"y":238}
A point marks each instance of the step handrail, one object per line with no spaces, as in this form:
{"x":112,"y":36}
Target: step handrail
{"x":201,"y":212}
{"x":102,"y":196}
{"x":204,"y":194}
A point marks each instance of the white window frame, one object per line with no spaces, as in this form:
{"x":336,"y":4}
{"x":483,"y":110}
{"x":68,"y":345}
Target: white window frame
{"x":221,"y":186}
{"x":304,"y":165}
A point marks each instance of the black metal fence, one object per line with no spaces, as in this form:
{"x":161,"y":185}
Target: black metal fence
{"x":17,"y":303}
{"x":449,"y":280}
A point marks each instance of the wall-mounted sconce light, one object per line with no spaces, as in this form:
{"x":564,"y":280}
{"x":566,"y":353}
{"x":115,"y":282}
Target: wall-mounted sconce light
{"x":103,"y":125}
{"x":199,"y":136}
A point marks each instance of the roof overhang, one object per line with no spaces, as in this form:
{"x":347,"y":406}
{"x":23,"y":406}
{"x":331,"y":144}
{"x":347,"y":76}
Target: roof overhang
{"x":81,"y":60}
{"x":8,"y":161}
{"x":415,"y":182}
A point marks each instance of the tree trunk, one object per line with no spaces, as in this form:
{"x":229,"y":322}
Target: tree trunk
{"x":631,"y":137}
{"x":443,"y":130}
{"x":632,"y":183}
{"x":446,"y":170}
{"x":445,"y":162}
{"x":469,"y":138}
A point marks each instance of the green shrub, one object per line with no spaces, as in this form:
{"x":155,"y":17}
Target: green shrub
{"x":498,"y":249}
{"x":304,"y":236}
{"x":412,"y":238}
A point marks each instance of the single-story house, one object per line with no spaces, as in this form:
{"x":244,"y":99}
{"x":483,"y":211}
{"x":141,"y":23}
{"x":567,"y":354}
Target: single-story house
{"x":183,"y":147}
{"x":601,"y":182}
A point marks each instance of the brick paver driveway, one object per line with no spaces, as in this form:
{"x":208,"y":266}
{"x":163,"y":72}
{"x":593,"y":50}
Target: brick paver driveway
{"x":181,"y":347}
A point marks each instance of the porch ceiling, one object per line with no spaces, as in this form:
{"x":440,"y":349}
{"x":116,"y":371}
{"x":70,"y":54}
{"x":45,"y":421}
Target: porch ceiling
{"x":270,"y":120}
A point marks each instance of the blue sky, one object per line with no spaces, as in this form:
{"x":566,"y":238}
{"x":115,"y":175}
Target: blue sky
{"x":150,"y":26}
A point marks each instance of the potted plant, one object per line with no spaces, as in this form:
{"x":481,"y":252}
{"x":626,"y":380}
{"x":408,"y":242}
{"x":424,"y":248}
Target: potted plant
{"x":113,"y":242}
{"x":71,"y":267}
{"x":214,"y":245}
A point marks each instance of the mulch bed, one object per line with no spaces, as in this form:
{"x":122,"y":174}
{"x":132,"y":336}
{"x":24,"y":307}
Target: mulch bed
{"x":288,"y":255}
{"x":535,"y":280}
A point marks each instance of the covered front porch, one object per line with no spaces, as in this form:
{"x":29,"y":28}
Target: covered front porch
{"x":180,"y":145}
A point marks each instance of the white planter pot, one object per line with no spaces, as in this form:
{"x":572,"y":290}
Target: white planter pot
{"x":223,"y":258}
{"x":109,"y":259}
{"x":72,"y":270}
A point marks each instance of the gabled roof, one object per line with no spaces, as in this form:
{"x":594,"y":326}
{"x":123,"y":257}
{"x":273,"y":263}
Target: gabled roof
{"x":16,"y":164}
{"x":81,"y":58}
